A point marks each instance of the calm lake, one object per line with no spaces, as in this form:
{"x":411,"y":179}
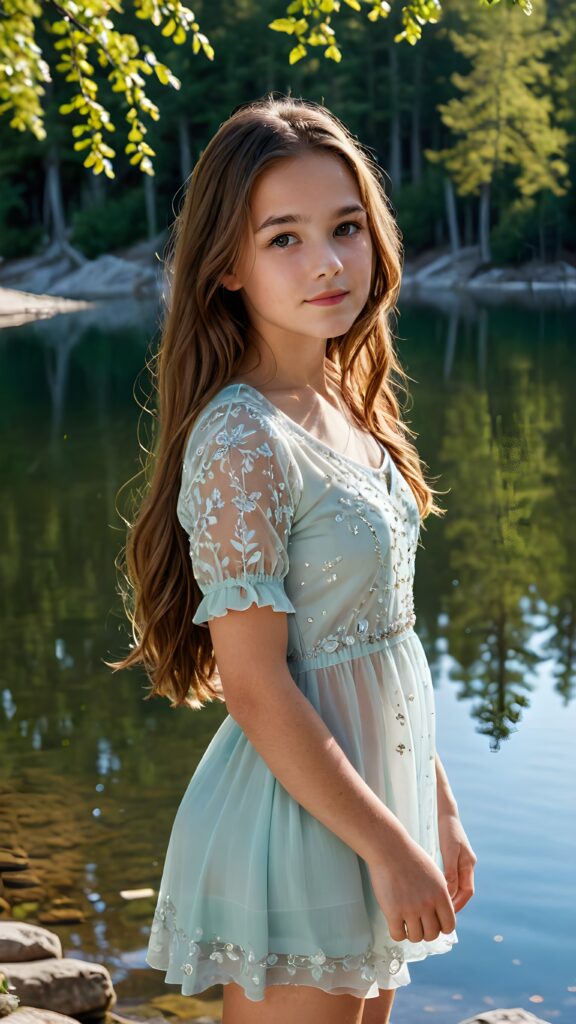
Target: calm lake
{"x":91,"y":774}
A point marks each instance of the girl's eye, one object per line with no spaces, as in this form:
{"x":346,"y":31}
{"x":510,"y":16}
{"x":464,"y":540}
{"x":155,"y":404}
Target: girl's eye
{"x":279,"y":239}
{"x":280,"y":242}
{"x":349,"y":224}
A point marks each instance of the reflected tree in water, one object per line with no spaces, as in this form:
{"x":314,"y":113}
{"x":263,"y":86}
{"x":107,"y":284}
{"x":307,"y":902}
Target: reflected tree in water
{"x":501,"y":474}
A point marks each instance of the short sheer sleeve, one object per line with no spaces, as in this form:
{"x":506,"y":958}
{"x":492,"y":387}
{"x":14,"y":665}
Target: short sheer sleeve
{"x":239,"y":492}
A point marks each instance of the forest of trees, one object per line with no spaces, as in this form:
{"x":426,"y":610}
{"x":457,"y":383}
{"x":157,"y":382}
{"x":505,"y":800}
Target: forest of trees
{"x":474,"y":125}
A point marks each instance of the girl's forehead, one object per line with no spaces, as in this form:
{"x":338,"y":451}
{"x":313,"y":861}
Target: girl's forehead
{"x":314,"y":179}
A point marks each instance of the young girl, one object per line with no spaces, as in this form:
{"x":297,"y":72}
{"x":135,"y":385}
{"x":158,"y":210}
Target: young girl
{"x":317,"y":849}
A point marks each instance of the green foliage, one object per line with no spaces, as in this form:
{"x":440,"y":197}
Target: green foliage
{"x":515,"y":238}
{"x":110,"y":225}
{"x":527,"y":229}
{"x":85,"y":36}
{"x":310,"y":21}
{"x":417,"y":208}
{"x":388,"y":95}
{"x":17,"y":236}
{"x":504,"y":115}
{"x":16,"y":242}
{"x":87,"y":40}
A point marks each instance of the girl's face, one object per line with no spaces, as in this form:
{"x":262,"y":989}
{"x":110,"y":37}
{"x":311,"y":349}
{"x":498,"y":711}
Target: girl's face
{"x":308,"y":235}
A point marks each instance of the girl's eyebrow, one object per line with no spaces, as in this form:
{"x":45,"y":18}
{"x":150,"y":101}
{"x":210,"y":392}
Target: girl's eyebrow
{"x":291,"y":218}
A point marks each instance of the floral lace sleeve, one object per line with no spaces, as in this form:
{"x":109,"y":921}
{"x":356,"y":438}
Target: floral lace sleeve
{"x":237,"y":500}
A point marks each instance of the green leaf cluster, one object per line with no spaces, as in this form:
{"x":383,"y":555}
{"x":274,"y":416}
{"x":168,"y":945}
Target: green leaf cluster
{"x":86,"y":37}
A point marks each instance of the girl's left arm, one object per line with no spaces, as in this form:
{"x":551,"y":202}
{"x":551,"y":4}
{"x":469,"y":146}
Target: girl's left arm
{"x":457,"y":854}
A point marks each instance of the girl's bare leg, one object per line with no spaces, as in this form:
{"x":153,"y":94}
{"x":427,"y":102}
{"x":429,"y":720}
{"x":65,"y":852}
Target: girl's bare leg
{"x":287,"y":1004}
{"x":377,"y":1011}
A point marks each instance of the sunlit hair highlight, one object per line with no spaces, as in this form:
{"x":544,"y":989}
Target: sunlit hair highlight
{"x":205,"y":335}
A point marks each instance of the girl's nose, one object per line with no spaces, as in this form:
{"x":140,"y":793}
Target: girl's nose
{"x":327,"y":261}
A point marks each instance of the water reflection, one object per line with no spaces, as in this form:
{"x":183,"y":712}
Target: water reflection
{"x":502,"y":469}
{"x":92,"y":773}
{"x":495,"y":428}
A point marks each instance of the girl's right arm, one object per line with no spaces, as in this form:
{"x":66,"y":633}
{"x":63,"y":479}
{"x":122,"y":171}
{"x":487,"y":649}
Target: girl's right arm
{"x":294,"y":741}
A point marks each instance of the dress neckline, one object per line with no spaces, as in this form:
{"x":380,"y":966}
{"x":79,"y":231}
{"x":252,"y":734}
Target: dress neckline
{"x":374,"y":470}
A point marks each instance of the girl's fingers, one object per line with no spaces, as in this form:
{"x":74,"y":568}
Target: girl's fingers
{"x":414,"y":929}
{"x":465,"y":886}
{"x":446,"y":916}
{"x":396,"y":929}
{"x":430,"y":925}
{"x":451,"y":876}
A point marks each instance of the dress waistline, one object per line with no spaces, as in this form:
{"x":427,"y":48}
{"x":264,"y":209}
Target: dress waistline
{"x":348,"y":652}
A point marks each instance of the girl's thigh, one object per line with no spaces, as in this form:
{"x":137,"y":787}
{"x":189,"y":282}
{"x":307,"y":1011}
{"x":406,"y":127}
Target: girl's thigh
{"x":287,"y":1004}
{"x":377,"y":1011}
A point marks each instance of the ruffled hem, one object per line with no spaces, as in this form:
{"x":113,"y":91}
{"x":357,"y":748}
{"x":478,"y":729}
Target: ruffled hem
{"x":238,"y":593}
{"x":196,"y":963}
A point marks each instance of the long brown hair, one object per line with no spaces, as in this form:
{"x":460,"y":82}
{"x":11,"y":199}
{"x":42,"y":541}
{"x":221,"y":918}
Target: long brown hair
{"x":204,"y":338}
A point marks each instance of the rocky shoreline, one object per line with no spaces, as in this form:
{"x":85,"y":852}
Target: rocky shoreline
{"x":62,"y":280}
{"x":38,"y":985}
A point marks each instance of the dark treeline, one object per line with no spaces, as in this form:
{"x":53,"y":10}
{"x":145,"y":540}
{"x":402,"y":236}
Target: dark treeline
{"x":475,"y":128}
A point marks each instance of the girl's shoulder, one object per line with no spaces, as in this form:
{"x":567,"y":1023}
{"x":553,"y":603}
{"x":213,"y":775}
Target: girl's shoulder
{"x":236,"y":438}
{"x":239,"y":408}
{"x":238,"y":424}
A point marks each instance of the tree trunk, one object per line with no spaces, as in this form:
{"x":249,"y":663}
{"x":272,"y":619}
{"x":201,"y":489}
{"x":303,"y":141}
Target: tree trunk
{"x":541,"y":232}
{"x":451,"y":215}
{"x":415,"y":127}
{"x":558,"y":239}
{"x":484,"y":224}
{"x":53,"y":204}
{"x":370,"y":85}
{"x":468,"y":223}
{"x":150,"y":199}
{"x":395,"y":128}
{"x":97,"y":187}
{"x":185,"y":154}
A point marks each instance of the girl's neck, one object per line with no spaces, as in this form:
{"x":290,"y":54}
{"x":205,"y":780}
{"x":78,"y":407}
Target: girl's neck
{"x":323,"y":382}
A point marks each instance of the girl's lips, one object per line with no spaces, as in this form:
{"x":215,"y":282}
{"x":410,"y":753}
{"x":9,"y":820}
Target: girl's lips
{"x":332,"y":300}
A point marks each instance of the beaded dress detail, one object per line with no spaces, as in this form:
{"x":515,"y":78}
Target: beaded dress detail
{"x":254,"y":889}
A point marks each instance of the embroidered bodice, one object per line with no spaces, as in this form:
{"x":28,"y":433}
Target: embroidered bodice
{"x":258,"y":534}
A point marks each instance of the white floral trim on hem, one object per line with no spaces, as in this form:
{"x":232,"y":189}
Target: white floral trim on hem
{"x":369,"y":964}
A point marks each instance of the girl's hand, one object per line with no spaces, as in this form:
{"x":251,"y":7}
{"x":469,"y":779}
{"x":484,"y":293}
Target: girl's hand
{"x":459,"y":859}
{"x":411,"y":890}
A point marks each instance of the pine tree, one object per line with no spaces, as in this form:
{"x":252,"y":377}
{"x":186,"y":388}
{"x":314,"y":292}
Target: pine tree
{"x":505,"y":116}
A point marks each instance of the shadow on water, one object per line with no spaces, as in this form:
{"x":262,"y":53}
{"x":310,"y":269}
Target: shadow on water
{"x":92,"y":773}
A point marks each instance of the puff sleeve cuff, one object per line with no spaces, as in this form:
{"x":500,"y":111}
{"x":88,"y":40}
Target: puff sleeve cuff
{"x":238,"y":594}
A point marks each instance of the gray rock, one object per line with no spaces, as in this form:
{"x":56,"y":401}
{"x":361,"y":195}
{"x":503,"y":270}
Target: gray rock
{"x":62,"y":271}
{"x":32,"y":1015}
{"x":67,"y":985}
{"x":21,"y":942}
{"x":107,"y":278}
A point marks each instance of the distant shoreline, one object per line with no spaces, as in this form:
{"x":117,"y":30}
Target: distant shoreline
{"x":438,"y":277}
{"x":17,"y":307}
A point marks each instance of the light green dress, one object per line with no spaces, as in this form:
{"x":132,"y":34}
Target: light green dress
{"x":254,"y":888}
